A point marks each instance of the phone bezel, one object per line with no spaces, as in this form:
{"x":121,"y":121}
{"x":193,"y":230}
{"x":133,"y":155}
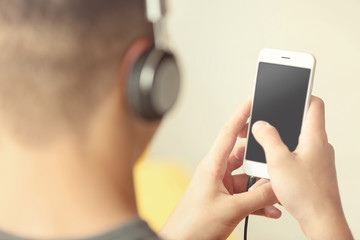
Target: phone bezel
{"x":286,"y":58}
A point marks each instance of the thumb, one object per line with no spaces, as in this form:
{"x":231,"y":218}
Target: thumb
{"x":258,"y":198}
{"x":268,"y":137}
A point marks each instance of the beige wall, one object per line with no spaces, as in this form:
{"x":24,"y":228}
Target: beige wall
{"x":218,"y":42}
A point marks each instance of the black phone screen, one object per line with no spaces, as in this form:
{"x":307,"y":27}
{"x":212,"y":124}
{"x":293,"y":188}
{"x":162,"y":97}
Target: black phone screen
{"x":279,"y":99}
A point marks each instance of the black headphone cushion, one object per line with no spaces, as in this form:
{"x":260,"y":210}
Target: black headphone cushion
{"x":153,"y":85}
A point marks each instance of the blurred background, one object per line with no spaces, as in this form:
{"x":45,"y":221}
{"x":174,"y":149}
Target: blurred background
{"x":218,"y":43}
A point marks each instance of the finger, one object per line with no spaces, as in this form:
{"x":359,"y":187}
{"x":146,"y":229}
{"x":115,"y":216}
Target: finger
{"x":314,"y":124}
{"x":236,"y":157}
{"x":270,"y":212}
{"x":225,"y":142}
{"x":252,"y":201}
{"x":258,"y":184}
{"x":243,"y":132}
{"x":240,"y":182}
{"x":276,"y":152}
{"x":332,"y":151}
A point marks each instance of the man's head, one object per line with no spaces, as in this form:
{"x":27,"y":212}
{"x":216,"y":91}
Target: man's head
{"x":60,"y":60}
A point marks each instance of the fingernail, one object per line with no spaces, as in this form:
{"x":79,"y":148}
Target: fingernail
{"x":258,"y":125}
{"x":274,"y":213}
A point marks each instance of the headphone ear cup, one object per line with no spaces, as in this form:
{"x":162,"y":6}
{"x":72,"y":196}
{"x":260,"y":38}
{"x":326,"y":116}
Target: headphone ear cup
{"x":134,"y":96}
{"x":153,"y":85}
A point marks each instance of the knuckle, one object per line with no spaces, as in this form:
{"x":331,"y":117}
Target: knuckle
{"x":321,"y":141}
{"x":226,"y":128}
{"x":332,"y":149}
{"x":261,"y":195}
{"x":264,"y":195}
{"x":319,"y":102}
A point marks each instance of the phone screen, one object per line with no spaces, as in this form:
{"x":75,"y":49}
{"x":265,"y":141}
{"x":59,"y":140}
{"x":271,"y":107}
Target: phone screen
{"x":279,"y":99}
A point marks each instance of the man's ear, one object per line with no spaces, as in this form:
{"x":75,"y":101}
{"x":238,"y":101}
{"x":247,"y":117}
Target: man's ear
{"x":132,"y":54}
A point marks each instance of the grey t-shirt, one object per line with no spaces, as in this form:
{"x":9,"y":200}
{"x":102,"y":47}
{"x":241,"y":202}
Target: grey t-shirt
{"x":136,"y":229}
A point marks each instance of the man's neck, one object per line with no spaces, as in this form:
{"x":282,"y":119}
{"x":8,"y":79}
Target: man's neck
{"x":63,"y":194}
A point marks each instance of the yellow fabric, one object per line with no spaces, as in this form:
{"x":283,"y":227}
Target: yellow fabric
{"x":159,"y":187}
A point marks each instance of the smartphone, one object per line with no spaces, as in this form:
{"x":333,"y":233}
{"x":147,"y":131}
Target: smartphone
{"x":281,"y":97}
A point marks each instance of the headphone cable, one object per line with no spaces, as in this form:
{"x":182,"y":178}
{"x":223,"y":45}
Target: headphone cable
{"x":251,"y":181}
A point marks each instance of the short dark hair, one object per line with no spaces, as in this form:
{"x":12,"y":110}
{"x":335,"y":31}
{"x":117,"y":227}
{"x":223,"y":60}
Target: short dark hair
{"x":58,"y":58}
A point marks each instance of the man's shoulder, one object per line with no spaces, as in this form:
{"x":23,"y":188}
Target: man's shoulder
{"x":136,"y":229}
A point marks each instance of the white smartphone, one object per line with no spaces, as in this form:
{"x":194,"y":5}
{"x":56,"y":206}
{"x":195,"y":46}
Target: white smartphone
{"x":281,"y":97}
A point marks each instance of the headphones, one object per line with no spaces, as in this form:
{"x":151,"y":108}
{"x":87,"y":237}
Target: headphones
{"x":154,"y":81}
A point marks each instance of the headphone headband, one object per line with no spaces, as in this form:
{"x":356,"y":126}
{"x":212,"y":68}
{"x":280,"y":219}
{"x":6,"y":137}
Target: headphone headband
{"x":155,"y":10}
{"x":155,"y":13}
{"x":154,"y":82}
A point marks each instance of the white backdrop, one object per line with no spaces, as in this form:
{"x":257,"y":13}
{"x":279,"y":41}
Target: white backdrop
{"x":218,"y":42}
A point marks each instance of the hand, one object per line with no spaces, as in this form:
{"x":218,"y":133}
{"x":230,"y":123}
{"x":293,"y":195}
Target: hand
{"x":304,"y":181}
{"x":215,"y":201}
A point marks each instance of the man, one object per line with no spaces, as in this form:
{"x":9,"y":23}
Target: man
{"x":68,"y":142}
